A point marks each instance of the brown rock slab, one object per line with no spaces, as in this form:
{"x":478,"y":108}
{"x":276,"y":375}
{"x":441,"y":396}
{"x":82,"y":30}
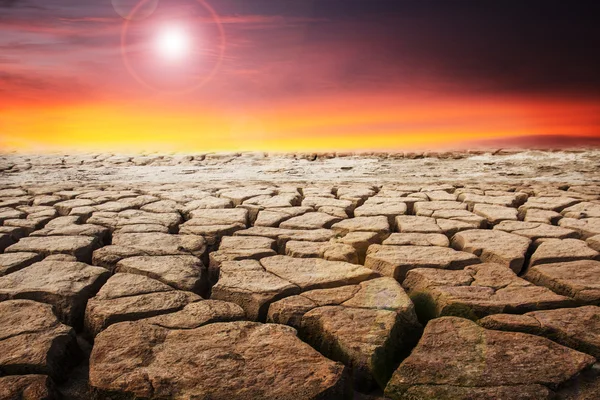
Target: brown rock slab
{"x":417,"y":239}
{"x":65,"y":285}
{"x":577,"y":279}
{"x":582,"y":210}
{"x":32,"y":341}
{"x":148,"y":244}
{"x":360,"y":241}
{"x":272,"y":217}
{"x":368,"y":327}
{"x":315,"y":273}
{"x":455,"y":354}
{"x":311,"y":220}
{"x":477,"y":291}
{"x":180,"y":272}
{"x":594,"y":242}
{"x":556,"y":250}
{"x":79,"y":246}
{"x":282,"y":236}
{"x":417,"y":224}
{"x":97,"y":231}
{"x":11,"y":262}
{"x":207,"y":217}
{"x":549,"y":203}
{"x":577,"y":328}
{"x":116,"y":220}
{"x":542,"y":216}
{"x":427,"y":208}
{"x":249,"y":285}
{"x":586,"y":227}
{"x":232,"y":360}
{"x":494,"y":247}
{"x":536,"y":230}
{"x":331,"y":251}
{"x":198,"y":314}
{"x":390,"y":209}
{"x":28,"y":387}
{"x":318,"y":202}
{"x":463,"y":216}
{"x":378,"y":224}
{"x":501,"y":199}
{"x":129,"y":297}
{"x":396,"y":261}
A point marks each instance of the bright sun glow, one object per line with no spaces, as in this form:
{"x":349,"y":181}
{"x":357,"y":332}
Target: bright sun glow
{"x":173,"y":42}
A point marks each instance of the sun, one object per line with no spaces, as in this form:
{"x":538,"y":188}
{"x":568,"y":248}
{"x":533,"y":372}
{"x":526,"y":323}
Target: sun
{"x":173,"y":43}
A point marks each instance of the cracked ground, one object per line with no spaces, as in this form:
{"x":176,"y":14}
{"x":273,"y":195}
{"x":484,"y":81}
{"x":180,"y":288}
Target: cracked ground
{"x":300,"y":276}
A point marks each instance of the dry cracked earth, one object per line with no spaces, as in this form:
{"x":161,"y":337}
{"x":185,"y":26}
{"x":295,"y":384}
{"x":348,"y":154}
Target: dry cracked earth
{"x":361,"y":277}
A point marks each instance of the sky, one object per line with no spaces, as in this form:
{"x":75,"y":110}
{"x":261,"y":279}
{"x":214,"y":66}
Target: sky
{"x":297,"y":75}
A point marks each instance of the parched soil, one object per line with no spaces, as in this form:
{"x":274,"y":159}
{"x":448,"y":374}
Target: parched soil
{"x":459,"y":275}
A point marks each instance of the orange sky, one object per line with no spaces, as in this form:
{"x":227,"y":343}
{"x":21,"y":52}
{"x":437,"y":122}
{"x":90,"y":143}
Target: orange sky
{"x":297,"y":78}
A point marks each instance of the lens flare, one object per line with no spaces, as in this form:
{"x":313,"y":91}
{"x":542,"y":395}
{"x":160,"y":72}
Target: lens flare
{"x":173,"y":43}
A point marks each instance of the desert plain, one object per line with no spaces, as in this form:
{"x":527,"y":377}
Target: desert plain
{"x":446,"y":275}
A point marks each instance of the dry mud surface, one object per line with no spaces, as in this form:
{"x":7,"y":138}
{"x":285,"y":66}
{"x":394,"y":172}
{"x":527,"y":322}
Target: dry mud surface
{"x":300,"y":276}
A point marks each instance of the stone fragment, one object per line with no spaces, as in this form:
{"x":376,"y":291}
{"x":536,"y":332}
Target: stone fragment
{"x":548,"y":203}
{"x":494,"y":246}
{"x":390,"y":210}
{"x":536,"y":230}
{"x":594,"y":242}
{"x":377,"y":224}
{"x":576,"y":328}
{"x":11,"y":262}
{"x":360,"y":241}
{"x":129,"y":297}
{"x":198,"y":314}
{"x":417,"y":224}
{"x":315,"y":273}
{"x":180,"y":272}
{"x":232,"y":360}
{"x":97,"y":231}
{"x":238,"y":196}
{"x":502,"y":199}
{"x":311,"y":220}
{"x":427,"y":208}
{"x":32,"y":341}
{"x":586,"y":227}
{"x":417,"y":239}
{"x":368,"y":327}
{"x":237,"y":248}
{"x":328,"y":250}
{"x":396,"y":261}
{"x":542,"y":216}
{"x":116,"y":220}
{"x":249,"y":285}
{"x":65,"y":207}
{"x":148,"y":244}
{"x":495,"y":214}
{"x":282,"y":236}
{"x":577,"y":279}
{"x":477,"y":291}
{"x":456,"y":356}
{"x":582,"y":210}
{"x":280,"y":200}
{"x":272,"y":217}
{"x":209,"y":217}
{"x":318,"y":202}
{"x":65,"y":285}
{"x":78,"y":246}
{"x":28,"y":387}
{"x":556,"y":250}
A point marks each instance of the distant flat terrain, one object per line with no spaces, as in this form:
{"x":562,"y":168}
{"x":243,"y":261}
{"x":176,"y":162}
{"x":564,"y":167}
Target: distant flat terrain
{"x":576,"y":167}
